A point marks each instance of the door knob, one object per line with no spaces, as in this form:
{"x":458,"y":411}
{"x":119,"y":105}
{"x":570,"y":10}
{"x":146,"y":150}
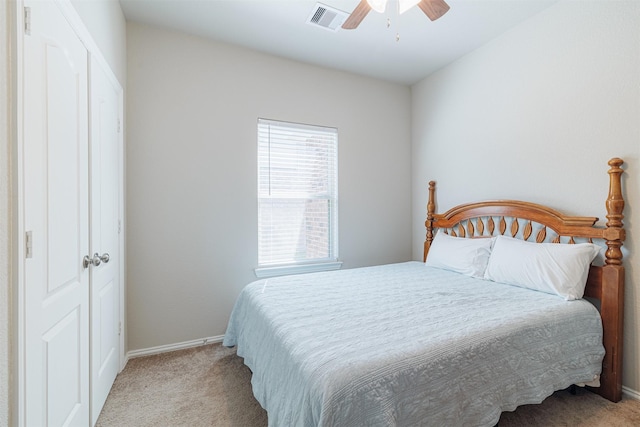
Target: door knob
{"x":96,"y":260}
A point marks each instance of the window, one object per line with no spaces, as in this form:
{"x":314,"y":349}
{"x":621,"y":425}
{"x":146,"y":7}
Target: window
{"x":297,"y":198}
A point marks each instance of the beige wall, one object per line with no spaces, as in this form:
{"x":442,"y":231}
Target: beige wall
{"x":192,"y":117}
{"x":535,"y":115}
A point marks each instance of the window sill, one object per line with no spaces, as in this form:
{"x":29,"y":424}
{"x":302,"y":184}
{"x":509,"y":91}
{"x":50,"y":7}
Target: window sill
{"x":296,"y":269}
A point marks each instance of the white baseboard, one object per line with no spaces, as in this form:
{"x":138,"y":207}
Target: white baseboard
{"x":172,"y":347}
{"x":629,"y":392}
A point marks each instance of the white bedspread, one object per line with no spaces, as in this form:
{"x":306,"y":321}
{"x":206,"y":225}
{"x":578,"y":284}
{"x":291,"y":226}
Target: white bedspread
{"x":407,"y":345}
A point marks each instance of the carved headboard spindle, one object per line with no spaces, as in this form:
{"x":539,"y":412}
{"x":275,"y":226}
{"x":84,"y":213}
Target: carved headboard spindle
{"x":528,"y":229}
{"x":503,"y":226}
{"x":492,"y":226}
{"x":514,"y":227}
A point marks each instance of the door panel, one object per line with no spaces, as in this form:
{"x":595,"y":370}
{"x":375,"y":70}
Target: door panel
{"x":108,"y":320}
{"x":63,"y":365}
{"x":56,"y":212}
{"x":63,"y":174}
{"x":105,"y":237}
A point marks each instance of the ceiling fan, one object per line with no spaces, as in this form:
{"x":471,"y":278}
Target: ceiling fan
{"x":434,"y":9}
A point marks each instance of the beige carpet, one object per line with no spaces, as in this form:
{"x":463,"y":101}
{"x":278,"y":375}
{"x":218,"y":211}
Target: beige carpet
{"x":210,"y":386}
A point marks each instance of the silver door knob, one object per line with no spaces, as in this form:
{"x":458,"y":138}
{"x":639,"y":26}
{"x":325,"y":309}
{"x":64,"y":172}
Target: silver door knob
{"x":96,"y":259}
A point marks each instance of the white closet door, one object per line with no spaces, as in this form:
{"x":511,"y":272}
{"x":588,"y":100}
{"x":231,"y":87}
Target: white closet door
{"x":105,"y":235}
{"x":56,"y":219}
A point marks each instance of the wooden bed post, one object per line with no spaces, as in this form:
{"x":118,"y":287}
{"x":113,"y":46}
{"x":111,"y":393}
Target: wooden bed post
{"x":431,"y":210}
{"x":614,"y":234}
{"x":612,"y":298}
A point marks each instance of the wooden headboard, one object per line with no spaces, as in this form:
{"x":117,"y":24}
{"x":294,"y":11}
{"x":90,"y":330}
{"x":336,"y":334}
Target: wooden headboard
{"x":533,"y":222}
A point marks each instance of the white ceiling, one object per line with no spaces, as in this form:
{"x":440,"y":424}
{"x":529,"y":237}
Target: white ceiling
{"x":279,"y":27}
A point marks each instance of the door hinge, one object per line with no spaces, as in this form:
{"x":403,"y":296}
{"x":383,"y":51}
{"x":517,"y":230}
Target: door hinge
{"x":27,"y":20}
{"x":119,"y":226}
{"x":28,"y":245}
{"x":118,"y":125}
{"x":119,"y":328}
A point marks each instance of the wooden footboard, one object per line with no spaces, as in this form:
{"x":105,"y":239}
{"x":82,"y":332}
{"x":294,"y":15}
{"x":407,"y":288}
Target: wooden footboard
{"x":533,"y":222}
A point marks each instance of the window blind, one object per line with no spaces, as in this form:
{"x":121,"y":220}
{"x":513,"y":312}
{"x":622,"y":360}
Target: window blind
{"x":297,"y":193}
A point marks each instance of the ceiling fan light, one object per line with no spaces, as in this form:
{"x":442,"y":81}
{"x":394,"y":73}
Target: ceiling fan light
{"x":404,"y":5}
{"x":378,"y":5}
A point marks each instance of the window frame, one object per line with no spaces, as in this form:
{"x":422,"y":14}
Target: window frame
{"x":305,"y":265}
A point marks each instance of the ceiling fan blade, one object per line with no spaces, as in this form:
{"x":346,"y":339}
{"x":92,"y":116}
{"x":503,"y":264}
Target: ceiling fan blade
{"x":357,"y":15}
{"x":434,"y":9}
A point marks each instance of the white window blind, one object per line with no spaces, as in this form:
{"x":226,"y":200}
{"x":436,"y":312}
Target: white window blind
{"x":297,"y":193}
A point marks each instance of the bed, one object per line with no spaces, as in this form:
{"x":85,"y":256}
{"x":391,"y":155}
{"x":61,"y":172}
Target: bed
{"x":443,"y":342}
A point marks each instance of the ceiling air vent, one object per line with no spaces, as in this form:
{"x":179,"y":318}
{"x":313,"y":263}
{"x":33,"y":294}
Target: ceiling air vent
{"x":327,"y":17}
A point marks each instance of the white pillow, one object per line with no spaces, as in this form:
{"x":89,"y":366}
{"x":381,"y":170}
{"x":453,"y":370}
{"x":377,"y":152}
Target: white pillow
{"x":553,"y":268}
{"x":462,"y":255}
